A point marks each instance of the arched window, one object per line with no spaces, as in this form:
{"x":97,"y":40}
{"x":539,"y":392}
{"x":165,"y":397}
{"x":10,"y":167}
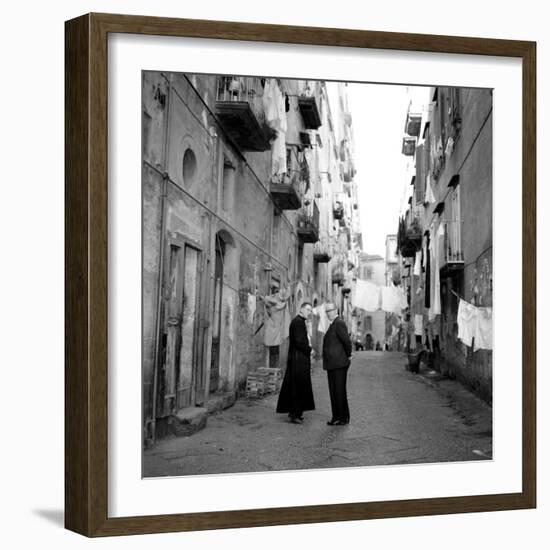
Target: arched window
{"x":189,"y":167}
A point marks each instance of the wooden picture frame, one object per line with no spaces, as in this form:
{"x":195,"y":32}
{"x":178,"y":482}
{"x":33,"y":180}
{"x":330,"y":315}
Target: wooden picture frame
{"x":86,"y":282}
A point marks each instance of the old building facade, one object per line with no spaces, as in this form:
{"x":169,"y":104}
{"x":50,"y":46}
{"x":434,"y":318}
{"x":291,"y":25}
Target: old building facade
{"x":372,"y":268}
{"x":247,"y":193}
{"x":445,"y":235}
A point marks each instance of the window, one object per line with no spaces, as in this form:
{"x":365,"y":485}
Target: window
{"x":368,"y":323}
{"x":228,"y":177}
{"x":189,"y":167}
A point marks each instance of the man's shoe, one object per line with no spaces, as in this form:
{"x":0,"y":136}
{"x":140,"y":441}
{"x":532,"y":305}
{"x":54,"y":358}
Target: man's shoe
{"x":295,"y":420}
{"x":332,"y":422}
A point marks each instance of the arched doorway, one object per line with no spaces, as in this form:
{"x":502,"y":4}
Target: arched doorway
{"x":224,"y":303}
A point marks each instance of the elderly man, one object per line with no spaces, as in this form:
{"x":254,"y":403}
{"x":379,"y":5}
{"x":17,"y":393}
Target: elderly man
{"x":296,"y":394}
{"x":336,"y":361}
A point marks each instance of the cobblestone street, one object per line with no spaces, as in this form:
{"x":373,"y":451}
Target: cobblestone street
{"x":396,"y":418}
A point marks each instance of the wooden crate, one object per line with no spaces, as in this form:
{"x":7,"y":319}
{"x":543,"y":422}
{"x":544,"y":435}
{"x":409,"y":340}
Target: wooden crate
{"x":273,"y":380}
{"x":256,"y":384}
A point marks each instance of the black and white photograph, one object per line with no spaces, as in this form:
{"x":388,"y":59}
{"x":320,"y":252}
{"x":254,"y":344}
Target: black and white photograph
{"x":317,"y":274}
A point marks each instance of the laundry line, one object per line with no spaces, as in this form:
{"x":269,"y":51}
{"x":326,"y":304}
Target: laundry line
{"x":372,"y":297}
{"x":475,"y":324}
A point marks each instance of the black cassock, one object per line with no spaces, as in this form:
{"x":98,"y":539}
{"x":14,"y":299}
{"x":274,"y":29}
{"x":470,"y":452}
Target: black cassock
{"x":296,"y":394}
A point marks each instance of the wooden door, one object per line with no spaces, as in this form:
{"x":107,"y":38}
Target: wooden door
{"x":188,"y":377}
{"x":179,"y":357}
{"x":171,"y":333}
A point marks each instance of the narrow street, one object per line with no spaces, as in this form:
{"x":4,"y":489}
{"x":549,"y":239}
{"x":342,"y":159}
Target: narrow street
{"x":396,"y":418}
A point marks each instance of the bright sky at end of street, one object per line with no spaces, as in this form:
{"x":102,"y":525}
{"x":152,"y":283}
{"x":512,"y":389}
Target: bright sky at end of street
{"x":383,"y":174}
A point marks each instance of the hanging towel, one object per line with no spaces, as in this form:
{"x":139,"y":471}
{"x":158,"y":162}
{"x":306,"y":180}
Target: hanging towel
{"x":276,"y":321}
{"x":424,"y":251}
{"x":418,"y":263}
{"x":324,"y":323}
{"x":275,"y":113}
{"x":278,"y":154}
{"x":403,"y":298}
{"x":418,"y":325}
{"x":483,"y":336}
{"x":427,"y":278}
{"x":391,"y":299}
{"x":467,"y":320}
{"x":367,"y":295}
{"x":251,"y":307}
{"x":429,"y":198}
{"x":435,"y":308}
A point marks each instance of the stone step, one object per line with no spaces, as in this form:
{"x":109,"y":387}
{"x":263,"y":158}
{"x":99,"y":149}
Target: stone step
{"x":221,"y":401}
{"x":189,"y":420}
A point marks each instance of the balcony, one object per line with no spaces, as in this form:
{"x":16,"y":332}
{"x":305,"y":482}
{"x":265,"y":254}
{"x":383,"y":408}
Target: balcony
{"x":322,"y":251}
{"x":409,"y":237}
{"x":240,"y":111}
{"x":453,"y":259}
{"x":310,"y":112}
{"x":409,"y":146}
{"x":308,"y":223}
{"x":287,"y":194}
{"x":412,"y":124}
{"x":338,"y":277}
{"x":338,"y":209}
{"x":305,"y":139}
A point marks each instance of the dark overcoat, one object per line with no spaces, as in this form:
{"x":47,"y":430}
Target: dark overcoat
{"x":336,"y":346}
{"x":296,"y":393}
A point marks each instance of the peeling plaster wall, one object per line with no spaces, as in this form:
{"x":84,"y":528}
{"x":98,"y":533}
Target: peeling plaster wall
{"x":195,"y":211}
{"x":472,"y":160}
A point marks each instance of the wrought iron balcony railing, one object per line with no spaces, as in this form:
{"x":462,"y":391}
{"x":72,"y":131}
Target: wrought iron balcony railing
{"x":454,"y":254}
{"x":308,"y":223}
{"x":239,"y":108}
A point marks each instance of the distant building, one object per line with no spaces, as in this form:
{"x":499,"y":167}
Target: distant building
{"x":372,"y":323}
{"x":392,"y":263}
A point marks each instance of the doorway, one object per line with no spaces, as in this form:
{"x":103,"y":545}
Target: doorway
{"x":179,"y":363}
{"x":217,"y":319}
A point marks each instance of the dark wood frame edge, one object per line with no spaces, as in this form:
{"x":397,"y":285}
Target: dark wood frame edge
{"x":86,"y":274}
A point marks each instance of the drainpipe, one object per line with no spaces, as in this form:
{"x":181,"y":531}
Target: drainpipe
{"x":161,"y":262}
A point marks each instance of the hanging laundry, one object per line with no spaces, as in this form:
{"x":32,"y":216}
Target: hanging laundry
{"x":278,"y":154}
{"x":429,"y":198}
{"x":418,"y":325}
{"x":276,"y":320}
{"x":251,"y":302}
{"x":450,"y":146}
{"x":424,"y":251}
{"x":418,"y":264}
{"x":427,"y":282}
{"x":435,"y":308}
{"x":324,"y":322}
{"x":273,"y":104}
{"x":392,"y":299}
{"x":483,"y":336}
{"x":403,"y":298}
{"x":466,"y":319}
{"x":367,"y":295}
{"x":275,"y":113}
